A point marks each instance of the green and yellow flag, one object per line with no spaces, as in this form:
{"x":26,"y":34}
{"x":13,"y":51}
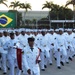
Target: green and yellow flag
{"x":7,"y":20}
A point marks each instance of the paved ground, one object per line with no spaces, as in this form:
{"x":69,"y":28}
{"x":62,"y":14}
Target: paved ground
{"x":68,"y":69}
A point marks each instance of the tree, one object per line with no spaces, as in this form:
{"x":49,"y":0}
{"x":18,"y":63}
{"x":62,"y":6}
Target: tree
{"x":56,"y":8}
{"x":3,"y":2}
{"x":70,"y":2}
{"x":15,"y":5}
{"x":48,"y":5}
{"x":25,"y":6}
{"x":73,"y":3}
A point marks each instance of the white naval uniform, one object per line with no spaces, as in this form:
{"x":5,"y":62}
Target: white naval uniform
{"x":52,"y":40}
{"x":29,"y":60}
{"x":2,"y":50}
{"x":11,"y":56}
{"x":62,"y":45}
{"x":70,"y":50}
{"x":4,"y":56}
{"x":37,"y":40}
{"x":23,"y":40}
{"x":73,"y":42}
{"x":44,"y":50}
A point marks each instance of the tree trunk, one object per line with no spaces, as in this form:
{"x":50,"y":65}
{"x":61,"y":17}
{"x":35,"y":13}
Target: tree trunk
{"x":57,"y":19}
{"x":24,"y":17}
{"x":74,"y":12}
{"x":74,"y":15}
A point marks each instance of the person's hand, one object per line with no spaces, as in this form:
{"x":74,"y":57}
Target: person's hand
{"x":29,"y":71}
{"x":40,"y":50}
{"x":52,"y":44}
{"x":38,"y":61}
{"x":68,"y":47}
{"x":58,"y":49}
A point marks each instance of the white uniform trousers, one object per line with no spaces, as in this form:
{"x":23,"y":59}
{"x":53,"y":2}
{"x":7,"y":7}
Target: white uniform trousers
{"x":4,"y":59}
{"x":62,"y":53}
{"x":42,"y":56}
{"x":11,"y":62}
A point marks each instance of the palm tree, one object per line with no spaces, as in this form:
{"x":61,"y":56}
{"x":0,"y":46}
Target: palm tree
{"x":70,"y":2}
{"x":25,"y":6}
{"x":73,"y":3}
{"x":48,"y":5}
{"x":15,"y":4}
{"x":3,"y":2}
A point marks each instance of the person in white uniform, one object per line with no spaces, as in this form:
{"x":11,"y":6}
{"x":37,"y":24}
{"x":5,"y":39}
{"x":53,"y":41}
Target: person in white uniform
{"x":4,"y":56}
{"x":52,"y":45}
{"x":31,"y":58}
{"x":23,"y":39}
{"x":70,"y":49}
{"x":44,"y":50}
{"x":10,"y":47}
{"x":61,"y":48}
{"x":1,"y":50}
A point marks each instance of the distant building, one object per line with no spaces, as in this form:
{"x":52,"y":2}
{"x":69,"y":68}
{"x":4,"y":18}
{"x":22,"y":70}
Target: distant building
{"x":30,"y":15}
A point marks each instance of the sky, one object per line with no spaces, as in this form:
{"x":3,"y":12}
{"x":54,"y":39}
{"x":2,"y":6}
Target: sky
{"x":36,"y":4}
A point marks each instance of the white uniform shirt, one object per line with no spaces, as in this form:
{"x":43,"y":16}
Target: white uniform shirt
{"x":69,"y":39}
{"x":61,"y":41}
{"x":23,"y":40}
{"x":10,"y":47}
{"x":43,"y":43}
{"x":29,"y":59}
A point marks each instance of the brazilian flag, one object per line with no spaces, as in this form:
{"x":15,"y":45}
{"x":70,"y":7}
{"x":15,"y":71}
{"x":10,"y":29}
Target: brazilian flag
{"x":8,"y":20}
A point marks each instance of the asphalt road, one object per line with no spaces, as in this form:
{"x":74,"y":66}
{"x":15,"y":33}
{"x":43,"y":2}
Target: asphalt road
{"x":68,"y":69}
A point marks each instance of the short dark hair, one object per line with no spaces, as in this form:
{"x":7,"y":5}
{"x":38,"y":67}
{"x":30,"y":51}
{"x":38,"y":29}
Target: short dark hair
{"x":31,"y":39}
{"x":11,"y":34}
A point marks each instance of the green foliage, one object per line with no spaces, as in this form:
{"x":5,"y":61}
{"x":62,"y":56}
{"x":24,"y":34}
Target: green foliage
{"x":25,"y":6}
{"x":58,"y":12}
{"x":70,"y":2}
{"x":14,"y":5}
{"x":3,"y":2}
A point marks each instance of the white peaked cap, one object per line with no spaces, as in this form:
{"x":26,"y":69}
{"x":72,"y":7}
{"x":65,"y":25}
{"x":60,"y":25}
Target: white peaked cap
{"x":11,"y":31}
{"x":61,"y":29}
{"x":51,"y":29}
{"x":73,"y":29}
{"x":56,"y":30}
{"x":21,"y":29}
{"x":16,"y":30}
{"x":69,"y":29}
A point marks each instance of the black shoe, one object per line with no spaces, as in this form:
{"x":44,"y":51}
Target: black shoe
{"x":61,"y":56}
{"x":22,"y":71}
{"x":70,"y":58}
{"x":43,"y":69}
{"x":67,"y":62}
{"x":15,"y":67}
{"x":59,"y":67}
{"x":0,"y":68}
{"x":8,"y":68}
{"x":73,"y":56}
{"x":62,"y":63}
{"x":45,"y":66}
{"x":4,"y":73}
{"x":50,"y":63}
{"x":55,"y":58}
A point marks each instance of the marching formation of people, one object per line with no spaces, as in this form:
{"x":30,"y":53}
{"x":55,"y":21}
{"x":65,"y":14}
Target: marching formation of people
{"x":40,"y":47}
